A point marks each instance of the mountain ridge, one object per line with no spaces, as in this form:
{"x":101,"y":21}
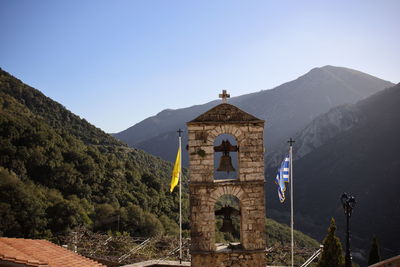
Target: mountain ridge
{"x":286,"y":108}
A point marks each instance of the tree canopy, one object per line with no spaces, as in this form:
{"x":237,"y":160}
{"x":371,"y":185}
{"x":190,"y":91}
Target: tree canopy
{"x":374,"y":255}
{"x":332,"y":254}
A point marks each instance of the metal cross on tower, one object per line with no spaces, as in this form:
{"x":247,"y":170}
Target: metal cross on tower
{"x":224,"y":96}
{"x":179,"y":132}
{"x":291,"y":141}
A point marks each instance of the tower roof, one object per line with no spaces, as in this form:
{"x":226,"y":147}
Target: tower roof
{"x":225,"y":113}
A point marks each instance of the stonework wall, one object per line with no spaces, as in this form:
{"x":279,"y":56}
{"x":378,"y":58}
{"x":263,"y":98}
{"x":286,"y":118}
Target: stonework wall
{"x":204,"y":190}
{"x":233,"y":259}
{"x":203,"y":197}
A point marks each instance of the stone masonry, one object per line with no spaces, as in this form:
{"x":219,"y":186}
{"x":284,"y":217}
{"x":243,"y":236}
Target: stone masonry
{"x":204,"y":190}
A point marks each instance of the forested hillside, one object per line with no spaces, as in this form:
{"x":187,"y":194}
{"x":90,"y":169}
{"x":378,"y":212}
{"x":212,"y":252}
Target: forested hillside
{"x":58,"y":171}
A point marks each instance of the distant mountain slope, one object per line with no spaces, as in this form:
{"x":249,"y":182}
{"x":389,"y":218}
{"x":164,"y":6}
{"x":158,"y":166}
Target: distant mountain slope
{"x":353,"y":149}
{"x":286,"y":108}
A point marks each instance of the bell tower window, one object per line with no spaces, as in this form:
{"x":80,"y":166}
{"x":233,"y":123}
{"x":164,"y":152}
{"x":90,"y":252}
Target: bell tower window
{"x":227,"y":222}
{"x":225,"y":157}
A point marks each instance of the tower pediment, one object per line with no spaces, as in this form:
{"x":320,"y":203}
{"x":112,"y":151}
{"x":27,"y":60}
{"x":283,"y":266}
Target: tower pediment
{"x":225,"y":113}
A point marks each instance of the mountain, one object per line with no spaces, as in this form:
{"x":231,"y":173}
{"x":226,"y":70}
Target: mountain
{"x":352,"y":148}
{"x":58,"y":171}
{"x":286,"y":108}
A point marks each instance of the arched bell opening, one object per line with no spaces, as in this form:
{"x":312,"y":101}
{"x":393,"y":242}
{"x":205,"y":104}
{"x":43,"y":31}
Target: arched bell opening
{"x":226,"y":157}
{"x":227,"y":222}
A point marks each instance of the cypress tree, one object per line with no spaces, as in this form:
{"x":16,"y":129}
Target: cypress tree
{"x":374,"y":256}
{"x":332,"y":254}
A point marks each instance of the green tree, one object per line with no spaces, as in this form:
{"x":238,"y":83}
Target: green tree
{"x":151,"y":225}
{"x":21,"y":208}
{"x":171,"y":228}
{"x":332,"y":254}
{"x":105,"y":217}
{"x":374,"y":255}
{"x":66,"y":215}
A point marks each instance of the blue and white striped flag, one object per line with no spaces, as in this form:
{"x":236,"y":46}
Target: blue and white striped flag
{"x":281,"y":194}
{"x":283,"y":176}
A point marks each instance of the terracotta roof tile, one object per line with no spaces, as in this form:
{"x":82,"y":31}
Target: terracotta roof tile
{"x":41,"y":253}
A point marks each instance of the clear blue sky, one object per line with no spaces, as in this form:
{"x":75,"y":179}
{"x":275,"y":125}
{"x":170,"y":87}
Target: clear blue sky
{"x":115,"y":63}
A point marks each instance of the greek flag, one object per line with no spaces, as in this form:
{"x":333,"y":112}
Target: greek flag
{"x":281,"y":195}
{"x":281,"y":177}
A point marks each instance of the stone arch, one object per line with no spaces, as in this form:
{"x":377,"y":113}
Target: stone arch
{"x":225,"y":129}
{"x":244,"y":202}
{"x":227,"y":190}
{"x":231,"y":129}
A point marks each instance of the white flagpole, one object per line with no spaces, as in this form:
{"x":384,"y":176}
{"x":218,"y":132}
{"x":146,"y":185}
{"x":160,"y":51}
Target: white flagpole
{"x":291,"y":196}
{"x":180,"y":197}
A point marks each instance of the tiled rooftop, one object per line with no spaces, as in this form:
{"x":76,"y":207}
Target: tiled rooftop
{"x":41,"y":253}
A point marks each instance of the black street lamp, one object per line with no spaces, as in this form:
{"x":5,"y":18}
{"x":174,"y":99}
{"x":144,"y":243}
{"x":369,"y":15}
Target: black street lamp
{"x":348,"y":203}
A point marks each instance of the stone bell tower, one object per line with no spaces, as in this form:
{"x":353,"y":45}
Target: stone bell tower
{"x":248,"y":187}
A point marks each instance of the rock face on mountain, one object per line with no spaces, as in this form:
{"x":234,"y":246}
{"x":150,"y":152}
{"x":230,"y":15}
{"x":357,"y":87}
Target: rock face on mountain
{"x":318,"y":132}
{"x":325,"y":127}
{"x":352,"y":148}
{"x":286,"y":108}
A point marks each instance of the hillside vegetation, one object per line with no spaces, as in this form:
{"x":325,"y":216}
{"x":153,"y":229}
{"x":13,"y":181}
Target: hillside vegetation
{"x":58,"y":171}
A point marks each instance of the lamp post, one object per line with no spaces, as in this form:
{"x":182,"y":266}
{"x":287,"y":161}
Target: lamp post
{"x":348,"y":203}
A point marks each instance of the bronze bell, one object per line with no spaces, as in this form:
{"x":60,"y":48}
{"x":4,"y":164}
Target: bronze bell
{"x":225,"y":164}
{"x":227,"y":226}
{"x":227,"y":212}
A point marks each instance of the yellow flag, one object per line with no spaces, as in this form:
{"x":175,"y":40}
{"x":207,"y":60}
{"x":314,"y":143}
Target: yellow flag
{"x":176,"y":171}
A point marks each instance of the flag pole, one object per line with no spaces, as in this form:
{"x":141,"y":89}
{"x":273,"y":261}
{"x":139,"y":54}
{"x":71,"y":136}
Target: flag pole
{"x":291,"y":141}
{"x":180,"y":196}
